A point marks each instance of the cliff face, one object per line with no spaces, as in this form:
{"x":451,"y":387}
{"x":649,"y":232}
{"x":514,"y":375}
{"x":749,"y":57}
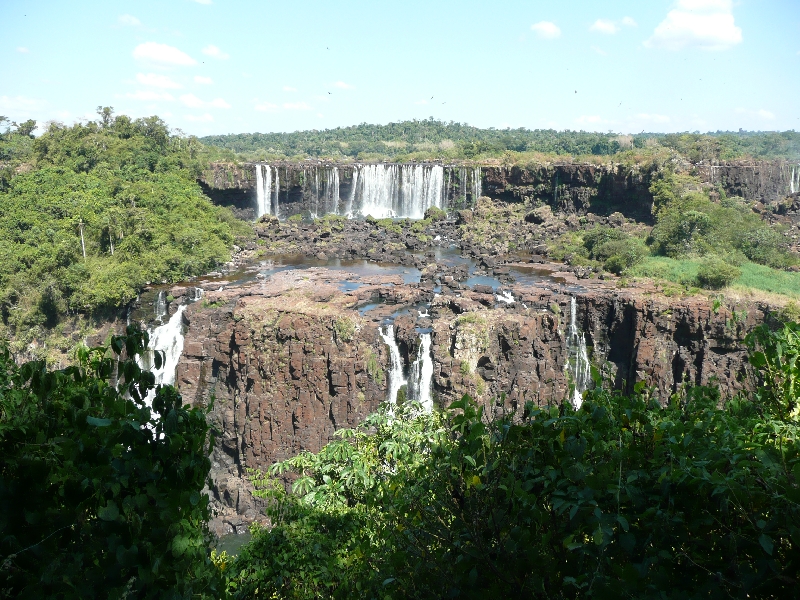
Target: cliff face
{"x":758,"y":181}
{"x":306,"y":188}
{"x":575,"y":188}
{"x":291,"y":360}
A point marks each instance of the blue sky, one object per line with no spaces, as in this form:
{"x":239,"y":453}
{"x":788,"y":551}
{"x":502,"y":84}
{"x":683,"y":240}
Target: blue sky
{"x":225,"y":66}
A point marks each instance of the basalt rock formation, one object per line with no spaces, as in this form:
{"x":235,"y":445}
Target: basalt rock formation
{"x":290,"y":359}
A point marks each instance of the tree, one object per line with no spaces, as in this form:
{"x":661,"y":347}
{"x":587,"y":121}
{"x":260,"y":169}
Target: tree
{"x":100,"y":493}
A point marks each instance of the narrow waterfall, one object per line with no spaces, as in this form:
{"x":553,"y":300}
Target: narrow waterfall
{"x":422,"y":374}
{"x":160,"y":306}
{"x":794,"y":184}
{"x":577,"y":365}
{"x":263,"y":189}
{"x":277,"y":191}
{"x":396,"y":378}
{"x":348,"y":209}
{"x":169,"y":339}
{"x":506,"y":297}
{"x":477,"y":184}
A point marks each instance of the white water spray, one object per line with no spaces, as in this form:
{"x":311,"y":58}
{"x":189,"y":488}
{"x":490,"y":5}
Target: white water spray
{"x":505,"y":296}
{"x":167,"y":338}
{"x":263,"y":189}
{"x":577,"y":358}
{"x":396,"y":379}
{"x":422,"y":374}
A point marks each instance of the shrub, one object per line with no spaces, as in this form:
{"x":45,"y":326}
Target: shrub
{"x":434,"y":213}
{"x":714,"y":273}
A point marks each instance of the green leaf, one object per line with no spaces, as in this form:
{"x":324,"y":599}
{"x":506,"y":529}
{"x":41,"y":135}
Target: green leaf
{"x":98,"y":422}
{"x":766,"y":543}
{"x":109,"y":512}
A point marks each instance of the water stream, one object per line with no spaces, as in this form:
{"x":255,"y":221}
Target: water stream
{"x":396,"y":376}
{"x":166,"y":338}
{"x":577,"y":366}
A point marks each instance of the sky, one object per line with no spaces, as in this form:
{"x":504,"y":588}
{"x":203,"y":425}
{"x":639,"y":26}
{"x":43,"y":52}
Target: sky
{"x":236,"y":66}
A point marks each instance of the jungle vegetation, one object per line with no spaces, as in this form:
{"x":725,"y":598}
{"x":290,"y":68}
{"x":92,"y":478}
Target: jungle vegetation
{"x":432,"y":139}
{"x":91,"y":213}
{"x":629,"y":496}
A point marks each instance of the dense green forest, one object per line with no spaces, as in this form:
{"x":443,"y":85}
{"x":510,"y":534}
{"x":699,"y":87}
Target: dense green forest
{"x":630,"y":496}
{"x":456,"y":141}
{"x":91,"y":213}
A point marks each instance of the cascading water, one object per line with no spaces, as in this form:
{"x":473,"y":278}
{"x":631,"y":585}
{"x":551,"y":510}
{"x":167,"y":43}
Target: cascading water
{"x":396,"y":378}
{"x":263,"y":189}
{"x":577,"y":365}
{"x":160,"y":306}
{"x":794,"y":184}
{"x":422,"y":374}
{"x":380,"y":190}
{"x":167,"y":338}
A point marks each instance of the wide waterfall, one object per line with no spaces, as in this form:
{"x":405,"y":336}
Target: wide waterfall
{"x":380,"y":190}
{"x":396,"y":377}
{"x":577,"y":366}
{"x":422,"y":374}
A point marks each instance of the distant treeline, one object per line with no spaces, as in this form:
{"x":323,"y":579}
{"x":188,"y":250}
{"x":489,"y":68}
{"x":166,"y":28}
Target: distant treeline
{"x":408,"y":140}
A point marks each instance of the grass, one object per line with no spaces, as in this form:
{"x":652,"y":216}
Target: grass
{"x":753,"y":276}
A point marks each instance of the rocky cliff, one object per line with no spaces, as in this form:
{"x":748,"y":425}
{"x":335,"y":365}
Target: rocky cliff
{"x":291,"y":359}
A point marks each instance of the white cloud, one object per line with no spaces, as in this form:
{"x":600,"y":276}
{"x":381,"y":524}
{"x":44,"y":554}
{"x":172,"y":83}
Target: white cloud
{"x":203,"y":80}
{"x":628,"y":22}
{"x":150,"y":96}
{"x":155,"y":80}
{"x":22,"y":50}
{"x":193,"y":101}
{"x":600,"y":51}
{"x":266,"y":107}
{"x":204,"y":118}
{"x":129,"y":20}
{"x":705,"y":24}
{"x":766,"y":114}
{"x":546,"y":30}
{"x":296,"y":106}
{"x":604,"y":26}
{"x":213,"y":51}
{"x":11,"y":106}
{"x":343,"y":86}
{"x":162,"y":54}
{"x":288,"y":88}
{"x":320,"y":115}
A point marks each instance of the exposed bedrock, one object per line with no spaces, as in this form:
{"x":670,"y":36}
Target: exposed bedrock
{"x":290,"y":360}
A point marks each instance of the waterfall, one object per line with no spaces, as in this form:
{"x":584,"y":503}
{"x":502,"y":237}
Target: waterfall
{"x":348,"y":210}
{"x":160,"y":306}
{"x":422,"y":374}
{"x":794,"y":184}
{"x":263,"y":189}
{"x":506,"y":297}
{"x":477,"y":184}
{"x":396,"y":379}
{"x":169,"y":339}
{"x":577,"y":358}
{"x":277,"y":190}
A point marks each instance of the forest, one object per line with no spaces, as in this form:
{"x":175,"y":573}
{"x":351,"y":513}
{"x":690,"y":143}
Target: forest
{"x":432,"y":139}
{"x":93,"y":212}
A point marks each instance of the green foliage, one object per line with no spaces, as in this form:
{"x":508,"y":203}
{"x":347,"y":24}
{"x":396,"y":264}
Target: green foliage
{"x":688,"y":223}
{"x":616,"y":249}
{"x":344,"y":329}
{"x":714,"y":273}
{"x":126,"y":192}
{"x":429,"y":138}
{"x":776,"y":355}
{"x":622,"y":498}
{"x":434,"y":213}
{"x":100,"y":493}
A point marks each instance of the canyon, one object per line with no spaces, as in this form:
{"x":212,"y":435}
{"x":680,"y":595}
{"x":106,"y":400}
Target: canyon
{"x":337,"y":315}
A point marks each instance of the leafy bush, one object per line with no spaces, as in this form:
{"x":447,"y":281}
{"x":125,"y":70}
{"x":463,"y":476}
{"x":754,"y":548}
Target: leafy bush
{"x":616,"y":249}
{"x":622,"y":498}
{"x":714,"y":273}
{"x":100,"y":493}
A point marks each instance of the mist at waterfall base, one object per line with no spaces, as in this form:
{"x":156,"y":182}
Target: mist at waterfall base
{"x":379,"y":190}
